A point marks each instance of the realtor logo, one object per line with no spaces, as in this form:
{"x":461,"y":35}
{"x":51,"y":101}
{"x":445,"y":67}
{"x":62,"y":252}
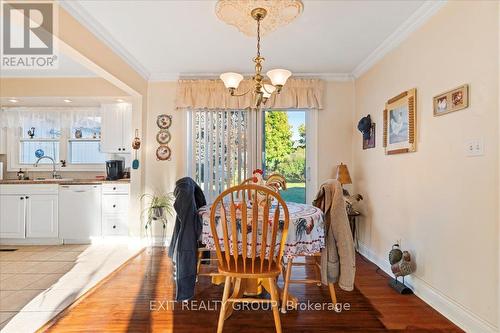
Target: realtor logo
{"x":28,"y":35}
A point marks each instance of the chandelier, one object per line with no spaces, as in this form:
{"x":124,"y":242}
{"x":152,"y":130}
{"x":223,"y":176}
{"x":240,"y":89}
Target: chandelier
{"x":263,"y":89}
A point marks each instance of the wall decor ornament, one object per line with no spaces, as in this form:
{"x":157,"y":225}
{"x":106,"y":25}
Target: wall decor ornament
{"x":164,"y":121}
{"x":400,"y":117}
{"x":367,"y":128}
{"x":163,"y":137}
{"x":453,"y":100}
{"x":136,"y":144}
{"x":163,"y":153}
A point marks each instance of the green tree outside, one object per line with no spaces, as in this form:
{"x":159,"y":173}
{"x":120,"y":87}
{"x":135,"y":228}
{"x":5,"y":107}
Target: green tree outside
{"x":278,"y":139}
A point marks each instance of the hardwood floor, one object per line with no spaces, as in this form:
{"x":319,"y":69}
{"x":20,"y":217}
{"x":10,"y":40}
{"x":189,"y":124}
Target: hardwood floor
{"x":138,"y":298}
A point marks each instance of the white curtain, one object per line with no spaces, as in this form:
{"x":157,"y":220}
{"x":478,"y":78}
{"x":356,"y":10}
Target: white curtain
{"x":47,"y":120}
{"x":221,"y":149}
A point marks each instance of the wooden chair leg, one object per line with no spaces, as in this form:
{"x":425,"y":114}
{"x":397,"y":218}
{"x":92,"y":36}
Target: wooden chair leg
{"x":198,"y":264}
{"x":238,"y":289}
{"x":274,"y":304}
{"x":332,"y":293}
{"x":225,"y":295}
{"x":317,"y":270}
{"x":284,"y":301}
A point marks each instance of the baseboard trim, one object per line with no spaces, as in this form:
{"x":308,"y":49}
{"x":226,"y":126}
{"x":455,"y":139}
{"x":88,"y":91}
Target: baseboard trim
{"x":454,"y":311}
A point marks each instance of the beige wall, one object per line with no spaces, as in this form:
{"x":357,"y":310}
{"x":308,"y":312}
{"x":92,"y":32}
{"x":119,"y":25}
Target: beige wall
{"x":162,"y":175}
{"x":335,"y":125}
{"x":58,"y":87}
{"x":440,"y":203}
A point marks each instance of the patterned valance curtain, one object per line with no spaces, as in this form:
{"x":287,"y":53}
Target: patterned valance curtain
{"x":211,"y":94}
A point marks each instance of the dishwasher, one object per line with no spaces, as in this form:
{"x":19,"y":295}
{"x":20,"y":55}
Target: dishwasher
{"x":79,"y":213}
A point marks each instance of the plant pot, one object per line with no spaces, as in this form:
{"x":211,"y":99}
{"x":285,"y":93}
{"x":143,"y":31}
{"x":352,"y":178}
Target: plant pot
{"x":157,"y":212}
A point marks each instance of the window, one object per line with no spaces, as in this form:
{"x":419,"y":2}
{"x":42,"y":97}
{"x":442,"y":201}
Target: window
{"x":39,"y":133}
{"x":285,"y":150}
{"x":85,"y":142}
{"x":219,"y":149}
{"x":71,"y":134}
{"x":226,"y":145}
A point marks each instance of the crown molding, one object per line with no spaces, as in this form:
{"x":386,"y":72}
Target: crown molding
{"x":82,"y":16}
{"x":159,"y":77}
{"x":415,"y":21}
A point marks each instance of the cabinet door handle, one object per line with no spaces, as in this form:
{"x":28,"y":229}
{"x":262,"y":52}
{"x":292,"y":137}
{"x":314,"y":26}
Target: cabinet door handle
{"x":114,"y":206}
{"x":114,"y":227}
{"x":22,"y":198}
{"x":27,"y":197}
{"x":114,"y":188}
{"x":119,"y":149}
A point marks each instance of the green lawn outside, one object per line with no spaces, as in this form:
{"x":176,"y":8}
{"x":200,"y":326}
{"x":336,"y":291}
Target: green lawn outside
{"x":296,"y":192}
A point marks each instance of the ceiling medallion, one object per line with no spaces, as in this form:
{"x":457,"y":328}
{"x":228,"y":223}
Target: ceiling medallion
{"x":279,"y":13}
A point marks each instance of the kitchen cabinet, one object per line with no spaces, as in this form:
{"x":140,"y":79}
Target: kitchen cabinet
{"x":29,"y":211}
{"x":3,"y":140}
{"x":116,"y":128}
{"x":42,"y":216}
{"x":115,"y":200}
{"x":12,"y":216}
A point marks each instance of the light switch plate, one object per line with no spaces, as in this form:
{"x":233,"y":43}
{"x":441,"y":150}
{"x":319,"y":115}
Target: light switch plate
{"x":474,"y":147}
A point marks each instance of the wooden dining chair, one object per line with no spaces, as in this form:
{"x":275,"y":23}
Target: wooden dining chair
{"x":317,"y":280}
{"x":245,"y":223}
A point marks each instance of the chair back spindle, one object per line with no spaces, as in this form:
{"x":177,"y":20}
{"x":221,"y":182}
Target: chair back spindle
{"x":251,"y":230}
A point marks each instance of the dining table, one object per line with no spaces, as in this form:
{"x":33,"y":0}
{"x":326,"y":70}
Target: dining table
{"x":306,"y":237}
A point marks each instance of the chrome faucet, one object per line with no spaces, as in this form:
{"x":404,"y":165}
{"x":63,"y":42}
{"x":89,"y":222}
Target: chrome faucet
{"x":54,"y":173}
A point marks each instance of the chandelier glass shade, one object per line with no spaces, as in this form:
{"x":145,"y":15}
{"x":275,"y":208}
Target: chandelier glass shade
{"x":263,"y":88}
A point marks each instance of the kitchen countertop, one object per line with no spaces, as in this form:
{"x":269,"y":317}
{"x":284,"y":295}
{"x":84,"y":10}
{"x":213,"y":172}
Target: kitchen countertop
{"x":64,"y":181}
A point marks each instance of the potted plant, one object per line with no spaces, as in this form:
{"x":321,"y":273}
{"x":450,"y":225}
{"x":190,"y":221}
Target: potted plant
{"x":159,"y":205}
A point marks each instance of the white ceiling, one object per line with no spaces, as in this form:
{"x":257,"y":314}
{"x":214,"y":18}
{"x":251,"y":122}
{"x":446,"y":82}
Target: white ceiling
{"x":169,"y":38}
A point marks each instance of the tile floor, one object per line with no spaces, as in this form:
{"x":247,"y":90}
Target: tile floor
{"x":37,"y":282}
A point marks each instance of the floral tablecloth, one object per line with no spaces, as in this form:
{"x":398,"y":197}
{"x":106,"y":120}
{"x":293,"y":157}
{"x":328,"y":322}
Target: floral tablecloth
{"x":306,"y":231}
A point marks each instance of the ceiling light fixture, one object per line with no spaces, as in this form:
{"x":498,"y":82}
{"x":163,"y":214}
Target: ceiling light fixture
{"x":67,"y":101}
{"x":119,"y":100}
{"x":263,"y":90}
{"x":13,"y":100}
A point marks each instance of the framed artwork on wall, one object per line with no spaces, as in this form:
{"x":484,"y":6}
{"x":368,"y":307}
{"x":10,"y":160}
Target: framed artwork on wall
{"x":400,"y":123}
{"x":370,"y":142}
{"x":453,"y":100}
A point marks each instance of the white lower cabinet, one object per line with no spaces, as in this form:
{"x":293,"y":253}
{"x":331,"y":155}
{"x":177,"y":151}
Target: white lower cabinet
{"x":35,"y":211}
{"x":12,"y":216}
{"x":42,"y":216}
{"x":115,"y":199}
{"x":28,"y":211}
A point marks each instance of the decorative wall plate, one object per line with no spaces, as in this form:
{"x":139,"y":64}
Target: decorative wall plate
{"x":164,"y":121}
{"x":163,"y":153}
{"x":163,"y":137}
{"x":237,"y":13}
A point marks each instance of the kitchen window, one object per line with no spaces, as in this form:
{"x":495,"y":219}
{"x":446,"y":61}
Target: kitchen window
{"x":70,"y":134}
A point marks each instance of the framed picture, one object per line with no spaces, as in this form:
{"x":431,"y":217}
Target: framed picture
{"x":370,"y":143}
{"x":453,"y":100}
{"x":400,"y":123}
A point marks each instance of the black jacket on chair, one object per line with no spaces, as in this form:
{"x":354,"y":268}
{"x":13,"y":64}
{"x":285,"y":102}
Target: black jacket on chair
{"x":184,"y":245}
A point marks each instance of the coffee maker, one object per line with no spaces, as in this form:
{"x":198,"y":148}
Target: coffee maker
{"x":114,"y":169}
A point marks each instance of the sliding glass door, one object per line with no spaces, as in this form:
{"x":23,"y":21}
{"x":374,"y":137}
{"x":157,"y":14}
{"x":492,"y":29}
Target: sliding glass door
{"x":225,"y":146}
{"x":285,"y":150}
